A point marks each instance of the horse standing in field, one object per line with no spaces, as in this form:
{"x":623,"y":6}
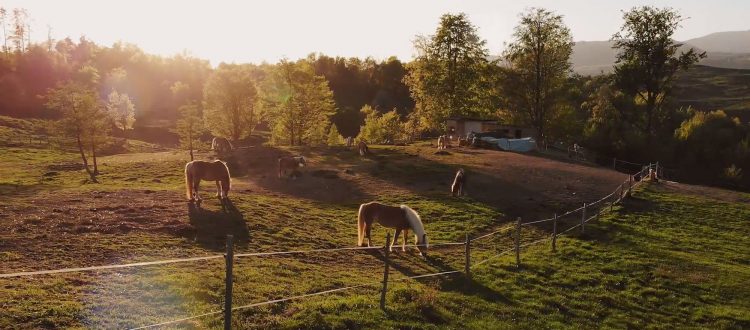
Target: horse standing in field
{"x":289,"y":164}
{"x":363,"y":149}
{"x":221,"y":145}
{"x":401,"y":218}
{"x":457,"y":189}
{"x":198,"y":170}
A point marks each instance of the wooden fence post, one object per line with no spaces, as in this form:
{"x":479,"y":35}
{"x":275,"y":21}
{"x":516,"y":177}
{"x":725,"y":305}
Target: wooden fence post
{"x":518,"y":242}
{"x":467,"y":264}
{"x":583,"y":217}
{"x":554,"y":233}
{"x":229,"y":258}
{"x":386,"y":260}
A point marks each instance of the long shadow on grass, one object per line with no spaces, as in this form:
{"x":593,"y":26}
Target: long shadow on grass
{"x":410,"y":264}
{"x":260,"y":165}
{"x":525,"y":193}
{"x":212,"y":227}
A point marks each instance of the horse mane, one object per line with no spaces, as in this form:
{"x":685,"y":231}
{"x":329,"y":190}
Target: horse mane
{"x":415,"y":222}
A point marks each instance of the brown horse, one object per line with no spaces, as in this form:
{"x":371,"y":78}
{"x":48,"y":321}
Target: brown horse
{"x":198,"y":170}
{"x":289,"y":164}
{"x":363,"y":149}
{"x":221,"y":145}
{"x":401,"y":218}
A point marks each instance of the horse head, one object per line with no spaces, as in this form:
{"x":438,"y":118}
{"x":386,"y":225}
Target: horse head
{"x":422,"y":245}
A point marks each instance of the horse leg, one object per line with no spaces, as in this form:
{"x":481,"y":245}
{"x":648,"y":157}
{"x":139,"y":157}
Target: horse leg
{"x":368,"y":228}
{"x":395,"y":239}
{"x":406,"y":234}
{"x":196,"y":185}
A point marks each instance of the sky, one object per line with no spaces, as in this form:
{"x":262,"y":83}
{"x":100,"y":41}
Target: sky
{"x":255,"y":31}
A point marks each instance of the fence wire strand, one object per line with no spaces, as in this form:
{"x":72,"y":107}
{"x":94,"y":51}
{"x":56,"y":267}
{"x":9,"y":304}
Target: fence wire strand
{"x":106,"y":267}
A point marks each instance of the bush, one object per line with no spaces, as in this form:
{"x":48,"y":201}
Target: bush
{"x":386,"y":128}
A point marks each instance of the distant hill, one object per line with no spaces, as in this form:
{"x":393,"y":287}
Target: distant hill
{"x":724,"y":50}
{"x":708,"y":88}
{"x":723,"y":42}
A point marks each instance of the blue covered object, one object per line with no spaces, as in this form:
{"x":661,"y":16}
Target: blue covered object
{"x":518,"y":145}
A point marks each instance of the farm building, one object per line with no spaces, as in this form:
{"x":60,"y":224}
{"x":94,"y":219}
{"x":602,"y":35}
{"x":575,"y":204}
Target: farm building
{"x":464,"y":126}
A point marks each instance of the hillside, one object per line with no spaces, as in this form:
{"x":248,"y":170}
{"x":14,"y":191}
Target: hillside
{"x":707,"y":88}
{"x":660,"y":259}
{"x":723,"y":42}
{"x":723,"y":50}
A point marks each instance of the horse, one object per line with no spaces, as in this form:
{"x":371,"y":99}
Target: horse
{"x":441,"y":142}
{"x":198,"y":170}
{"x":363,"y":149}
{"x":457,"y":189}
{"x":221,"y":145}
{"x":290,"y":163}
{"x":402,"y":218}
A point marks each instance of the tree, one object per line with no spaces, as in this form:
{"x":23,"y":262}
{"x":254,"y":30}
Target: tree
{"x":334,"y":138}
{"x":300,"y":104}
{"x":385,"y":128}
{"x":231,"y":102}
{"x":83,"y":118}
{"x":189,"y":126}
{"x":647,"y":62}
{"x":445,"y":78}
{"x":539,"y":59}
{"x":121,"y":109}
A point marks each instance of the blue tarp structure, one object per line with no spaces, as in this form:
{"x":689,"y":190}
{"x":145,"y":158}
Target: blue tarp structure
{"x":517,"y":145}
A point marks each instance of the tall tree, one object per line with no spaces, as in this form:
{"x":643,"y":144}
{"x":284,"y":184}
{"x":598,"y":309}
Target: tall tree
{"x":300,"y":104}
{"x":445,"y":78}
{"x":647,"y":62}
{"x":231,"y":102}
{"x":82,"y":118}
{"x":539,"y":59}
{"x":189,"y":126}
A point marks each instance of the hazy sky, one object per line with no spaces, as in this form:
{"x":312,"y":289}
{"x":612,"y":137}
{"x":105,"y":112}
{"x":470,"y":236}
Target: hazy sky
{"x":253,"y":31}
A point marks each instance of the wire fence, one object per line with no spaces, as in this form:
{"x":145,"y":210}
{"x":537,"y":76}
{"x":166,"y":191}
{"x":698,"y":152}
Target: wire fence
{"x":615,"y":197}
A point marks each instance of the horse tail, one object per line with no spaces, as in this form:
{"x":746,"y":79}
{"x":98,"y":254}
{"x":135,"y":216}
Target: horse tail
{"x":228,"y":178}
{"x":189,"y":180}
{"x":361,"y":225}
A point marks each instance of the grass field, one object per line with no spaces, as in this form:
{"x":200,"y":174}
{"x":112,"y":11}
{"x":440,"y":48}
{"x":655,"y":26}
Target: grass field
{"x":673,"y":256}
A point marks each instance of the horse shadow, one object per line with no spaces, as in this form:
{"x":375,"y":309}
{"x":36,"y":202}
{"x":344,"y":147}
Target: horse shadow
{"x":212,"y":227}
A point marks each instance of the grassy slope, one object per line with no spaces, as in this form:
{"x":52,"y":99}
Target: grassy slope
{"x":708,"y":88}
{"x":665,"y":259}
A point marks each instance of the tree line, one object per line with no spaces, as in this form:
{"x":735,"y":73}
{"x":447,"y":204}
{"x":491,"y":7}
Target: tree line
{"x":320,"y":99}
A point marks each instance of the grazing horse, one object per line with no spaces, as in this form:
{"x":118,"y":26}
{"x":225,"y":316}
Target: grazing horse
{"x":457,"y":189}
{"x":289,"y":164}
{"x":402,"y":218}
{"x":363,"y":149}
{"x":221,"y":145}
{"x":198,"y":170}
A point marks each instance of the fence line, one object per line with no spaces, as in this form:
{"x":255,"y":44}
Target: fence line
{"x":228,"y":309}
